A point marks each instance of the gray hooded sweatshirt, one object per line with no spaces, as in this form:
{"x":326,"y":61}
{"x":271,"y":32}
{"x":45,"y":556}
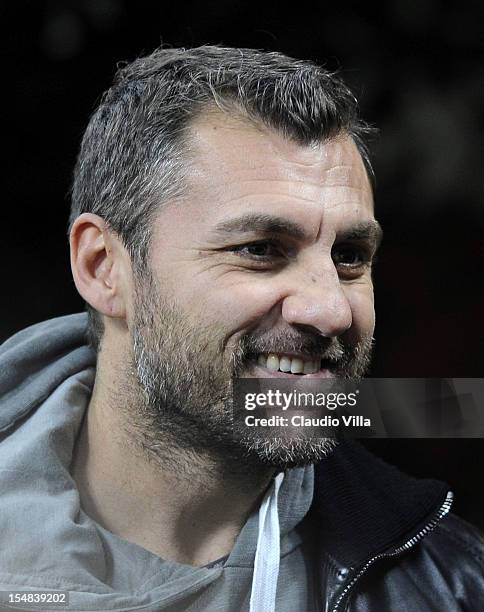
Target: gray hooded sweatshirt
{"x":47,"y":541}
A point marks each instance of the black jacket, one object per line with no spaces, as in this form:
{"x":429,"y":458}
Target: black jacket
{"x":387,"y":541}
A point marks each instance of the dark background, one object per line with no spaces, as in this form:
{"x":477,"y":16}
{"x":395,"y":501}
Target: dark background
{"x":416,"y":67}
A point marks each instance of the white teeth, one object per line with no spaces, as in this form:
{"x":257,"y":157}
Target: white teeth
{"x":297,"y":365}
{"x":308,"y":367}
{"x":272,"y":362}
{"x":285,"y":364}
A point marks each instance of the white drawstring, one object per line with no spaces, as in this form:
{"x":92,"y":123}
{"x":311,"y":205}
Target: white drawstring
{"x":267,"y":554}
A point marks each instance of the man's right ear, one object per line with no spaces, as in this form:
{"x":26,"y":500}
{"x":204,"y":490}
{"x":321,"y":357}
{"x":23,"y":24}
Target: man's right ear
{"x":100,"y":265}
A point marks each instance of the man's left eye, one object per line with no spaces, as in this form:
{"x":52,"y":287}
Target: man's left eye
{"x":349,"y":256}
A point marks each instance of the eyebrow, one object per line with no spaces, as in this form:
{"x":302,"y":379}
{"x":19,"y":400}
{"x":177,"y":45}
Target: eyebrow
{"x":268,"y":224}
{"x":261,"y":223}
{"x":366,"y":230}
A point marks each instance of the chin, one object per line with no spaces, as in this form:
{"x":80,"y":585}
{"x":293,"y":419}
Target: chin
{"x":283,"y":454}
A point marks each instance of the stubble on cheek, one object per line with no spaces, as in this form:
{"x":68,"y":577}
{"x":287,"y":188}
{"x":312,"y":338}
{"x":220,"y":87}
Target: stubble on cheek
{"x":183,"y":379}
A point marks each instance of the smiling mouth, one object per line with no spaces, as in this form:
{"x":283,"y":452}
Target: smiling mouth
{"x":284,"y":364}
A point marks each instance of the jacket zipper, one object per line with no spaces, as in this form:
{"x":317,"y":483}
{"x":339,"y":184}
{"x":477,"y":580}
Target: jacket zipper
{"x":439,"y":515}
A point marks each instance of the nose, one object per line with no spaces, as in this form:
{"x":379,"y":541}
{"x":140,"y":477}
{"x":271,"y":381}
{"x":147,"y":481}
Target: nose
{"x":318,"y":301}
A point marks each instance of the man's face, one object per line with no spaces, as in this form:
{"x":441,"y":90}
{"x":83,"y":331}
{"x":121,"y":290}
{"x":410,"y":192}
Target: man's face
{"x":264,"y":269}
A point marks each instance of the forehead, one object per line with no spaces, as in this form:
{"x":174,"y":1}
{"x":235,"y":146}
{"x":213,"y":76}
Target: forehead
{"x":220,"y":134}
{"x":237,"y":166}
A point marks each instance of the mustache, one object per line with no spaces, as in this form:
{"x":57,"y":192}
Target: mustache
{"x":345,"y":360}
{"x":310,"y":345}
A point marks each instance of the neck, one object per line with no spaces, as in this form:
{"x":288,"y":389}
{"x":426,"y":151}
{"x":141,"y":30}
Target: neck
{"x":178,"y":504}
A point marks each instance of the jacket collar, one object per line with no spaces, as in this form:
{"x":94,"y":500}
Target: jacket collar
{"x":364,"y":506}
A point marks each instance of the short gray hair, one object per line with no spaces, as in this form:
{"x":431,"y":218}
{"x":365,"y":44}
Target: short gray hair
{"x":131,"y":155}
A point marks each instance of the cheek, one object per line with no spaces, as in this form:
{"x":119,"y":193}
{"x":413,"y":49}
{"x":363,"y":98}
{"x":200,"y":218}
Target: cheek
{"x":235,"y":306}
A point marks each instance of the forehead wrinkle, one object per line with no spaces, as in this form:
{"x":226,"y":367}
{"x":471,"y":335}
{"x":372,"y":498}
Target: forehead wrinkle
{"x":288,"y":172}
{"x":272,"y":172}
{"x":297,"y":190}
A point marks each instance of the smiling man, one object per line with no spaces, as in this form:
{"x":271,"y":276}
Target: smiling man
{"x":222,"y":225}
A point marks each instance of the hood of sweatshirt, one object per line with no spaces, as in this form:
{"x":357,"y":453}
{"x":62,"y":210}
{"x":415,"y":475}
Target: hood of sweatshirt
{"x":46,"y":377}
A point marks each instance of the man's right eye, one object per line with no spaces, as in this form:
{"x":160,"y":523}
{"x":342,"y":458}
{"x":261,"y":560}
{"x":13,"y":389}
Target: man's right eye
{"x":262,"y":250}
